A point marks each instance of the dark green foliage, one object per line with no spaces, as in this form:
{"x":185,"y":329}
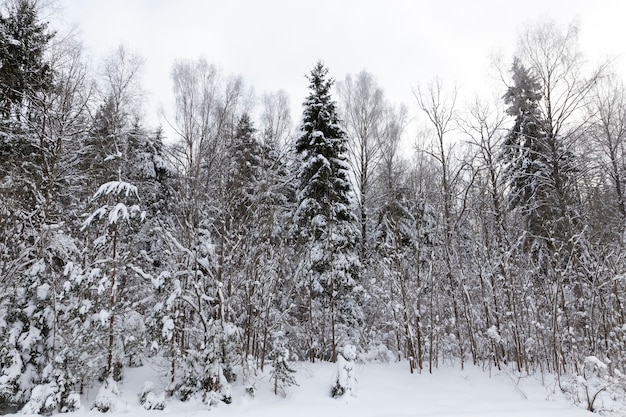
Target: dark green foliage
{"x":525,"y":145}
{"x":245,"y":174}
{"x":540,"y":166}
{"x":337,"y":390}
{"x":324,"y":185}
{"x":324,"y":218}
{"x":325,"y":227}
{"x":23,"y":70}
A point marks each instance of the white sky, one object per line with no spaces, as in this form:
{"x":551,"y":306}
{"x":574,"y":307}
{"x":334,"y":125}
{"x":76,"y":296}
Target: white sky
{"x":274,"y":43}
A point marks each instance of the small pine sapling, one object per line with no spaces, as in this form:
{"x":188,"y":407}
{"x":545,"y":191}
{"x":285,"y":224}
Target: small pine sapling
{"x":249,"y":372}
{"x":117,"y":212}
{"x":282,"y":373}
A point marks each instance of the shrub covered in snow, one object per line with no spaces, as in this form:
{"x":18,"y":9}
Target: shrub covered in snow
{"x":249,"y":372}
{"x":107,"y":397}
{"x":378,"y":353}
{"x":71,"y":403}
{"x":44,"y":399}
{"x":149,"y":400}
{"x":203,"y":375}
{"x":597,"y":388}
{"x":345,"y":382}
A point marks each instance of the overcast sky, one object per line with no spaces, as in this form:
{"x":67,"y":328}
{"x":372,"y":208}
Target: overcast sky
{"x":274,"y":43}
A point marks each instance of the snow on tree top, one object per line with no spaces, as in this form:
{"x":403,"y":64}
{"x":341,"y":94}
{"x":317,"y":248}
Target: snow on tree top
{"x":116,"y":187}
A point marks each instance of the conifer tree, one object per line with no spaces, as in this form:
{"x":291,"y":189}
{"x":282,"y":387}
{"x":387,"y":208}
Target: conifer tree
{"x":23,"y":69}
{"x":524,"y":145}
{"x":324,"y":221}
{"x":541,"y":168}
{"x":282,"y":373}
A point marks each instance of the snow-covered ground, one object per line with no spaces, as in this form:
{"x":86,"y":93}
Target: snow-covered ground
{"x":383,"y":390}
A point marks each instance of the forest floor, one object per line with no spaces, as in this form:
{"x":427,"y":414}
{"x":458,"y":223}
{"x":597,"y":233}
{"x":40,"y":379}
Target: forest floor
{"x":382,"y":390}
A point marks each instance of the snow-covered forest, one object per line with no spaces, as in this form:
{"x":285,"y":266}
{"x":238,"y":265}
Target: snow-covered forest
{"x":250,"y":238}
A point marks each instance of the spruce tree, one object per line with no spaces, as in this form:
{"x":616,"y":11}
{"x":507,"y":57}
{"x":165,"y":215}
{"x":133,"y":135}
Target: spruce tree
{"x":23,"y":69}
{"x":325,"y":225}
{"x":541,"y":169}
{"x":524,"y":146}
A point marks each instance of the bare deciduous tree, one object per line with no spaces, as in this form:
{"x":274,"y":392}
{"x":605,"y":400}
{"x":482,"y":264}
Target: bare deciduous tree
{"x":276,"y":122}
{"x":607,"y":131}
{"x":439,"y":106}
{"x":363,"y":112}
{"x":121,"y":73}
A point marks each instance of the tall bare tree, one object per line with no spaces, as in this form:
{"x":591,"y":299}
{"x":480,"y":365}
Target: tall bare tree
{"x":362,"y":107}
{"x":607,"y":131}
{"x":439,"y":106}
{"x":276,"y":124}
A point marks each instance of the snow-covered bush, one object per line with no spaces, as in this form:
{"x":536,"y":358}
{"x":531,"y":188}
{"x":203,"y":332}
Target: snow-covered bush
{"x":377,"y":354}
{"x":149,"y":400}
{"x":134,"y":338}
{"x":52,"y":392}
{"x":249,"y":372}
{"x":10,"y":376}
{"x":345,"y":381}
{"x":107,"y":397}
{"x":44,"y":399}
{"x":203,"y":375}
{"x":71,"y":403}
{"x":596,"y":388}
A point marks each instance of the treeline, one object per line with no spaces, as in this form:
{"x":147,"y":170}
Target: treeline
{"x":242,"y":243}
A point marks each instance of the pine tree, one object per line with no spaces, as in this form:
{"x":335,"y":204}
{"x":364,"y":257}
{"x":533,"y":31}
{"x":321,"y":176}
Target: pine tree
{"x":119,"y":208}
{"x":324,"y":221}
{"x":523,"y":145}
{"x":281,"y":373}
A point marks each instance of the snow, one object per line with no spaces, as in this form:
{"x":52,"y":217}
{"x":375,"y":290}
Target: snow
{"x":44,"y":398}
{"x":387,"y":390}
{"x":168,"y":327}
{"x":12,"y":372}
{"x":493,"y":334}
{"x":42,"y":291}
{"x":27,"y":340}
{"x":113,"y":156}
{"x":108,"y":397}
{"x":99,"y":213}
{"x":345,"y":380}
{"x":38,"y":268}
{"x":120,"y":210}
{"x":104,"y":316}
{"x":115,"y":187}
{"x":125,"y":213}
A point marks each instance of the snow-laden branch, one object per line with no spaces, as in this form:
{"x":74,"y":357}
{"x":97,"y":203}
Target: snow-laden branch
{"x":116,"y":187}
{"x":99,"y":213}
{"x":125,"y":212}
{"x":119,"y":210}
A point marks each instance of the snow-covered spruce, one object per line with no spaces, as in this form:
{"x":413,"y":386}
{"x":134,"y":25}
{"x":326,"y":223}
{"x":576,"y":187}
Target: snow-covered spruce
{"x":44,"y":399}
{"x":345,"y":382}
